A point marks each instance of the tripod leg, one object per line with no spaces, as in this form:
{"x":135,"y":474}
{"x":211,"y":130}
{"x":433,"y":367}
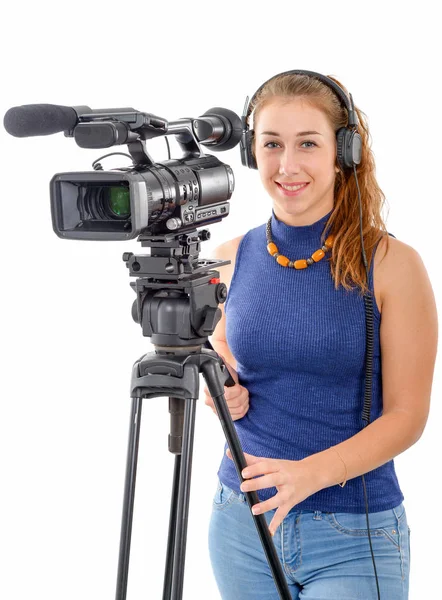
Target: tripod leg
{"x":129,"y":496}
{"x":167,"y":589}
{"x":182,"y":500}
{"x":212,"y":374}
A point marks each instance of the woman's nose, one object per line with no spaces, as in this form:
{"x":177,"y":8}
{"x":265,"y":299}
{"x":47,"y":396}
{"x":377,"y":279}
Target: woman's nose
{"x":289,"y":164}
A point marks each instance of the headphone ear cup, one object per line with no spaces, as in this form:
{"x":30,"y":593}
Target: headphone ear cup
{"x":356,"y":148}
{"x":340,"y":142}
{"x":251,"y":162}
{"x":348,"y":148}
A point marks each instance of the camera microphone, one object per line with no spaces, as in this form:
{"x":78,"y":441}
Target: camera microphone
{"x":218,"y":128}
{"x":46,"y":119}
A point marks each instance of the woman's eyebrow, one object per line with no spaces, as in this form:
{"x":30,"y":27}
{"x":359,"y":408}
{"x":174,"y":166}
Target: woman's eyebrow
{"x":297,"y":135}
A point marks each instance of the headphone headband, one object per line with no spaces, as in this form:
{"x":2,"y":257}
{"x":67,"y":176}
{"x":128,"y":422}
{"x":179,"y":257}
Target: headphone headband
{"x":342,"y":96}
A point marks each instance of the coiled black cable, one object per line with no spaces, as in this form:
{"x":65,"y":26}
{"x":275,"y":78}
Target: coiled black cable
{"x":369,"y":348}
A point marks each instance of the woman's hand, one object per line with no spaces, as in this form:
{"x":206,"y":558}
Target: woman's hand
{"x":237,"y":396}
{"x":294,"y":480}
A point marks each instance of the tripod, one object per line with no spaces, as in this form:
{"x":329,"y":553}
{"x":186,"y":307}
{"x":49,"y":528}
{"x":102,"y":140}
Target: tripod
{"x":177,"y":306}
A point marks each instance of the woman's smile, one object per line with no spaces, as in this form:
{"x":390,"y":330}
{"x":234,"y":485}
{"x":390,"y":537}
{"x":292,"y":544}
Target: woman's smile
{"x":291,"y":190}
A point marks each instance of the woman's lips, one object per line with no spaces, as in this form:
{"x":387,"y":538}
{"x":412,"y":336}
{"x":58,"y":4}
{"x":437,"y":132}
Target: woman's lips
{"x":292,"y":192}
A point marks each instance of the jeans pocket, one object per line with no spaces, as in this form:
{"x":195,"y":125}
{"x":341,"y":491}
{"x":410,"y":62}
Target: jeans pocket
{"x":384,"y":523}
{"x":223,"y":496}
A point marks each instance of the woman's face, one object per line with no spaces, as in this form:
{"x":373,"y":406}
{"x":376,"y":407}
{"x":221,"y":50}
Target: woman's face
{"x":289,"y":153}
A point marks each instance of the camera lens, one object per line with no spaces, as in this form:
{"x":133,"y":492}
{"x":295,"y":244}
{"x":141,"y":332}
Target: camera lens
{"x":118,"y":201}
{"x":104,"y":203}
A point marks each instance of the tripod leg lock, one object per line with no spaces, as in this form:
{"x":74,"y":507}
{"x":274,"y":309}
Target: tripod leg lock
{"x":155,"y":375}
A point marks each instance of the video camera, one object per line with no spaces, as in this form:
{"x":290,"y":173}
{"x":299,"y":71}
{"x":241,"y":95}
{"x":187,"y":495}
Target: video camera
{"x":172,"y":196}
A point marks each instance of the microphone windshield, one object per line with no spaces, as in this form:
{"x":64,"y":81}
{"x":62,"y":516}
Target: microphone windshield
{"x":39,"y":119}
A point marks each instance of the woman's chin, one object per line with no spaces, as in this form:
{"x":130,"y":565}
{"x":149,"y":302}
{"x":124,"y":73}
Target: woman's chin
{"x":290,"y":206}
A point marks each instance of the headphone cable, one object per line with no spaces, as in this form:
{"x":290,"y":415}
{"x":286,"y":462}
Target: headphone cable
{"x":368,"y":366}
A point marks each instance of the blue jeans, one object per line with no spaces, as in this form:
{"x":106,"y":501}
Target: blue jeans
{"x":325,"y":556}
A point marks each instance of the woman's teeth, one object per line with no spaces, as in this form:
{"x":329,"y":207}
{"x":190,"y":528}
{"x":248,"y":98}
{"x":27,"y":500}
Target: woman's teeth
{"x":292,"y":188}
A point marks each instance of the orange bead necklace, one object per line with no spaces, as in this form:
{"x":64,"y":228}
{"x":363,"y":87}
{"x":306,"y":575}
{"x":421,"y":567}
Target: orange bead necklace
{"x":296,"y":264}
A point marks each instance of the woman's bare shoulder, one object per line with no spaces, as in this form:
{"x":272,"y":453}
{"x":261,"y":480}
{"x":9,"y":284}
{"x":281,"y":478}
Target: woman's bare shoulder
{"x":394,"y":263}
{"x":227,"y":251}
{"x":228,"y":248}
{"x":390,"y":251}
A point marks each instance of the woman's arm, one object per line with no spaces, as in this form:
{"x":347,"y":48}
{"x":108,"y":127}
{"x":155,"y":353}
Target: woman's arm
{"x":237,"y":397}
{"x":408,"y":337}
{"x":226,"y":251}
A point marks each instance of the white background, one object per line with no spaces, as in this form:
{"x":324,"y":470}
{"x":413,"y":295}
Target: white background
{"x":68,"y":339}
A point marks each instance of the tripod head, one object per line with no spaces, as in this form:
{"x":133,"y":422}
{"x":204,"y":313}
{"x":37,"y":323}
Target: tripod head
{"x":177,"y":293}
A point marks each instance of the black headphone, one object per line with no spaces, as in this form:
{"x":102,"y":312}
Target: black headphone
{"x":349,"y":142}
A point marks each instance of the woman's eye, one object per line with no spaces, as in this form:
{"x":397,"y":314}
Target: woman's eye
{"x":274,"y":144}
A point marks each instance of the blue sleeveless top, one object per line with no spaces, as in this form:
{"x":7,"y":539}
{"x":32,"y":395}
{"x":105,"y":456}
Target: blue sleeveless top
{"x":300,"y":349}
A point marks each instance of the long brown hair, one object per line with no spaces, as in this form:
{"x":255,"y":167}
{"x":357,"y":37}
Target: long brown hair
{"x":347,"y":267}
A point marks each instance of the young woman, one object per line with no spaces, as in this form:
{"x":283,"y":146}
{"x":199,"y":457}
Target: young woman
{"x":294,"y":338}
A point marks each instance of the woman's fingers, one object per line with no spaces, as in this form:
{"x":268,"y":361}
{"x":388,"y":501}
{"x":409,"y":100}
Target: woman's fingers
{"x":237,"y":399}
{"x":261,"y":483}
{"x":230,"y":394}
